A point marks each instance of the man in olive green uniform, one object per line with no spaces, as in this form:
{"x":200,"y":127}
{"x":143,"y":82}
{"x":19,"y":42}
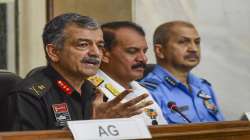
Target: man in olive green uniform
{"x":59,"y":93}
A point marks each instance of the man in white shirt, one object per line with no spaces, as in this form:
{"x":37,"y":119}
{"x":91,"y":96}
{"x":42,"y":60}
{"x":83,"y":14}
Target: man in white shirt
{"x":123,"y":62}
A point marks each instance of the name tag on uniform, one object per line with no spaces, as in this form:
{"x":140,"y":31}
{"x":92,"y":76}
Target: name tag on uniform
{"x":203,"y":95}
{"x":124,"y":128}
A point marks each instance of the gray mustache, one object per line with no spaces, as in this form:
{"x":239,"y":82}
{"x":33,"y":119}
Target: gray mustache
{"x":92,"y":60}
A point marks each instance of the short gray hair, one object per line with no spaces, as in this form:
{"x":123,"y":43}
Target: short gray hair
{"x":164,"y":31}
{"x":53,"y":31}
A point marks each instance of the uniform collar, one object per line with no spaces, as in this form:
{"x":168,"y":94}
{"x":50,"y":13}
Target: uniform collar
{"x":108,"y":79}
{"x":60,"y":82}
{"x":115,"y":85}
{"x":171,"y":81}
{"x":165,"y":76}
{"x":193,"y":80}
{"x":133,"y":84}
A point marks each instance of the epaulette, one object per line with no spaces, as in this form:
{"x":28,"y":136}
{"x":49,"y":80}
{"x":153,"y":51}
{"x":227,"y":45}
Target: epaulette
{"x":206,"y":82}
{"x":149,"y":84}
{"x":112,"y":89}
{"x":96,"y":80}
{"x":37,"y":86}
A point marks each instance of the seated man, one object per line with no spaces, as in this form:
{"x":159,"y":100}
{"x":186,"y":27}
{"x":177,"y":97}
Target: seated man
{"x":123,"y":62}
{"x":48,"y":98}
{"x":182,"y":96}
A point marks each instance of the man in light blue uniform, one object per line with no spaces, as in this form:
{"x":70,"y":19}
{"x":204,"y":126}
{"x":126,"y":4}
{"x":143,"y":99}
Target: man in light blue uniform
{"x":182,"y":96}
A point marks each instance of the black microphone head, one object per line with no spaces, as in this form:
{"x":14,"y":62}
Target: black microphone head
{"x":171,"y":104}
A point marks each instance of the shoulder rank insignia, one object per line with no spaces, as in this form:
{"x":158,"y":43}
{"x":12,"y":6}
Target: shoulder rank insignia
{"x":112,"y":89}
{"x":38,"y":88}
{"x":64,"y":87}
{"x":149,"y":84}
{"x":170,"y":80}
{"x":96,"y":80}
{"x":203,"y":95}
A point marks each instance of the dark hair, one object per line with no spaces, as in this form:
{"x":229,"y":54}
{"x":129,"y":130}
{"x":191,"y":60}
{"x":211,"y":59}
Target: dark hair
{"x":53,"y":30}
{"x":164,"y":31}
{"x":110,"y":28}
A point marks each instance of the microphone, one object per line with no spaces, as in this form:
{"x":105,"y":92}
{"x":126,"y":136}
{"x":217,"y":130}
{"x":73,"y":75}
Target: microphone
{"x":172,"y":106}
{"x":245,"y":116}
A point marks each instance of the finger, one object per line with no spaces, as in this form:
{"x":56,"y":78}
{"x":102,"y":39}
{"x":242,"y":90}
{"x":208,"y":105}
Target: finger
{"x":98,"y":97}
{"x":141,"y":105}
{"x":121,"y":96}
{"x":138,"y":109}
{"x":131,"y":114}
{"x":98,"y":100}
{"x":135,"y":100}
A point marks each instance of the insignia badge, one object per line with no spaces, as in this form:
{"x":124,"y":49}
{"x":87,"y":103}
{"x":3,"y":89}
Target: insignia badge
{"x":112,"y":89}
{"x":203,"y":95}
{"x":152,"y":115}
{"x":38,"y":88}
{"x":95,"y":80}
{"x":170,"y":80}
{"x":61,"y":113}
{"x":210,"y":106}
{"x":64,"y":87}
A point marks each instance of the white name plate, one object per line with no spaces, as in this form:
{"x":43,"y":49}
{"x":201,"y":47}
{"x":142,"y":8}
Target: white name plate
{"x":125,"y":128}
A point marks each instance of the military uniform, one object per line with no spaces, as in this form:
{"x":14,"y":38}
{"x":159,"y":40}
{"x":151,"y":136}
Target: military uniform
{"x":152,"y":114}
{"x":46,"y":101}
{"x":198,"y":104}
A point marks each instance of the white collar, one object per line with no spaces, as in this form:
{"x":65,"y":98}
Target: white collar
{"x":134,"y":85}
{"x":110,"y":80}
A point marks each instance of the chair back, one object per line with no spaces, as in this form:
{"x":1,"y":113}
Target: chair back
{"x":8,"y":82}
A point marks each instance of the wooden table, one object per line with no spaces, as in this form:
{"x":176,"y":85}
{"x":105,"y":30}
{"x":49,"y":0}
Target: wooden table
{"x":228,"y":130}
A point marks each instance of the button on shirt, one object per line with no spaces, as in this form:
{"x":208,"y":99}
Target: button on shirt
{"x":198,"y":104}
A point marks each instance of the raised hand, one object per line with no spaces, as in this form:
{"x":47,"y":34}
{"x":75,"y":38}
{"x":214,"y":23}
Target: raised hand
{"x":116,"y":109}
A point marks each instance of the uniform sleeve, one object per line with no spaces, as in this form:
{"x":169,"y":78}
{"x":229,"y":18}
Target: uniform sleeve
{"x":26,"y":112}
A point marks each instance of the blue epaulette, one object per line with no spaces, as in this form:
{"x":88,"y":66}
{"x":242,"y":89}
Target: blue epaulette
{"x":206,"y":82}
{"x":149,"y":84}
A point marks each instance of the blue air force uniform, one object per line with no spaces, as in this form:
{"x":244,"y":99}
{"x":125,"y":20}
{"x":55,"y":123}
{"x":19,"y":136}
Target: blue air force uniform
{"x":198,"y":104}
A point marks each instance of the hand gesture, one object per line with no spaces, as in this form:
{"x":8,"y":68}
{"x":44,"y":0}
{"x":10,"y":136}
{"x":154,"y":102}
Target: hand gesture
{"x":116,"y":109}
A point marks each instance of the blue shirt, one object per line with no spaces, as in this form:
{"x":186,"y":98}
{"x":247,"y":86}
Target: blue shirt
{"x":198,"y":104}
